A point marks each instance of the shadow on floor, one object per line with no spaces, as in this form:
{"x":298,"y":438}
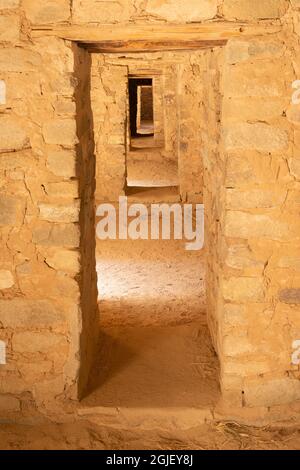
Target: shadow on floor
{"x":162,"y":311}
{"x":154,"y":367}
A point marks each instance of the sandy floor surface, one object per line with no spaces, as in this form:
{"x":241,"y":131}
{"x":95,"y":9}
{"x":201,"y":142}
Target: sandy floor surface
{"x":150,"y":283}
{"x":84,"y":435}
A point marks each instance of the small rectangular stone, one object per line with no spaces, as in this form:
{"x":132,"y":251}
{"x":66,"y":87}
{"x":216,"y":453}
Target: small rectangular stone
{"x":12,"y":136}
{"x":60,"y":213}
{"x":9,"y":28}
{"x":19,"y":313}
{"x":290,"y":296}
{"x":37,"y":342}
{"x":244,"y":289}
{"x":258,"y":136}
{"x":60,"y":132}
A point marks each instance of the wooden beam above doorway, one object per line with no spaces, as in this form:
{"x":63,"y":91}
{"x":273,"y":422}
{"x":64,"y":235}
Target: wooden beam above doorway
{"x":150,"y":46}
{"x":154,"y":37}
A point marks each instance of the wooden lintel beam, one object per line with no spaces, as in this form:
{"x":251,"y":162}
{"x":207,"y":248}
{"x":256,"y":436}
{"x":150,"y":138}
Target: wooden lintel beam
{"x":149,"y":46}
{"x":143,"y":38}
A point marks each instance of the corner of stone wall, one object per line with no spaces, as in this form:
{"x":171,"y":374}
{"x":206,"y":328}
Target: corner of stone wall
{"x":47,"y":268}
{"x":259,"y":280}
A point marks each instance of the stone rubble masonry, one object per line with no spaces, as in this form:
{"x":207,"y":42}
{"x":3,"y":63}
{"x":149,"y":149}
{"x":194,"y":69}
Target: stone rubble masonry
{"x":250,"y":193}
{"x":238,"y":133}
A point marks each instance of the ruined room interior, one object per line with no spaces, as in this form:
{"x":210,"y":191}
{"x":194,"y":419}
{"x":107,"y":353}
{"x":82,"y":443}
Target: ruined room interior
{"x":140,"y":342}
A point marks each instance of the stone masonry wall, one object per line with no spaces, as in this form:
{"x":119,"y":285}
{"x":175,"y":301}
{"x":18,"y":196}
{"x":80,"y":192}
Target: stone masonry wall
{"x":261,"y":223}
{"x":42,"y":269}
{"x":256,"y":302}
{"x":214,"y":174}
{"x":190,"y":120}
{"x":109,"y":95}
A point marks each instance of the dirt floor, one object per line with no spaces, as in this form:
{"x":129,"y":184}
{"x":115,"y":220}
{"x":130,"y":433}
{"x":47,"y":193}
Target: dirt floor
{"x":155,"y":350}
{"x":84,"y":435}
{"x":147,"y":165}
{"x":151,"y":173}
{"x":150,"y":283}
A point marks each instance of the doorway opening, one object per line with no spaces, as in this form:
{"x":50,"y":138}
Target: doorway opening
{"x":150,"y":165}
{"x":141,"y":107}
{"x":155,"y":349}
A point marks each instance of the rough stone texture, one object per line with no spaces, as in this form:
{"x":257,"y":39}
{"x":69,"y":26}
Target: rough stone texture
{"x":60,"y":131}
{"x":62,"y":163}
{"x":241,"y":257}
{"x":255,"y":102}
{"x":29,"y":314}
{"x":6,"y":4}
{"x":18,"y":60}
{"x":64,"y":260}
{"x":12,"y":136}
{"x":64,"y":235}
{"x":54,"y":213}
{"x":40,"y":311}
{"x":260,"y":137}
{"x":244,"y":10}
{"x":277,"y":391}
{"x":6,"y":279}
{"x":243,"y":290}
{"x":255,"y":198}
{"x":50,"y":11}
{"x":214,"y":171}
{"x":244,"y":225}
{"x":9,"y":28}
{"x":181,"y":11}
{"x":89,"y":11}
{"x":10,"y":210}
{"x":109,"y":104}
{"x":9,"y":404}
{"x":31,"y":342}
{"x":290,"y":296}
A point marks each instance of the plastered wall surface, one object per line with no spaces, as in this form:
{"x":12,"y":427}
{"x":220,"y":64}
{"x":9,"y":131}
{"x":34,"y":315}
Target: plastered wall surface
{"x":249,"y":154}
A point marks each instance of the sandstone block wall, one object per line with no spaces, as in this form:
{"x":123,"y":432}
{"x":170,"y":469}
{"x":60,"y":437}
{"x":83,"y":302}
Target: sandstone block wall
{"x":251,"y":194}
{"x":260,"y":225}
{"x":109,"y":97}
{"x":47,"y":273}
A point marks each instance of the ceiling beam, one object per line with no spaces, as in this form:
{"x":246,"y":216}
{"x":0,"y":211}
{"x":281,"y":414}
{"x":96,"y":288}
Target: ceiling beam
{"x":149,"y":46}
{"x":154,"y":37}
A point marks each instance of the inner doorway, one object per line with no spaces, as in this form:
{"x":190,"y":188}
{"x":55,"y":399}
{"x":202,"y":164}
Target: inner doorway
{"x":149,"y":163}
{"x":141,"y":108}
{"x":155,"y":348}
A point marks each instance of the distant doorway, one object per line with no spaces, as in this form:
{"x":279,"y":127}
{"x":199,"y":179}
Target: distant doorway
{"x":141,"y":107}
